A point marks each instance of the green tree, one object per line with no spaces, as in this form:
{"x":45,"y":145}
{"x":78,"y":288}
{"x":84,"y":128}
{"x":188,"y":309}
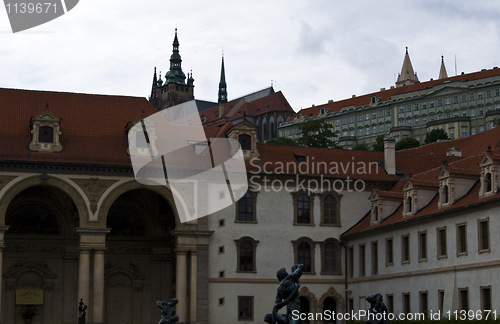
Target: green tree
{"x":361,"y":147}
{"x":406,"y":143}
{"x":317,"y":133}
{"x":379,"y":144}
{"x":285,"y":141}
{"x":435,"y":135}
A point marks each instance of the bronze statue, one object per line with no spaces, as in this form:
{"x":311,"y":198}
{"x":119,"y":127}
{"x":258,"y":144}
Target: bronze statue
{"x":287,"y":295}
{"x":167,"y":311}
{"x":82,"y":308}
{"x":377,"y":306}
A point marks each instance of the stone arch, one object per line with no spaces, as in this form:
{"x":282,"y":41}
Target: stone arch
{"x":45,"y":180}
{"x":313,"y":301}
{"x":331,"y":292}
{"x":109,"y":198}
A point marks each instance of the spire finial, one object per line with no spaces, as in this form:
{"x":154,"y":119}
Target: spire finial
{"x":222,"y":54}
{"x":406,"y":49}
{"x":442,"y":58}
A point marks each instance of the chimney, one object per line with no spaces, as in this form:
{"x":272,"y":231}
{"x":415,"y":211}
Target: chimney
{"x":390,"y":155}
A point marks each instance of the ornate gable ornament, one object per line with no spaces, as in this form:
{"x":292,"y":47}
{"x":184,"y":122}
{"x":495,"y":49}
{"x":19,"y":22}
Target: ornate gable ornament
{"x":138,"y":143}
{"x":41,"y":268}
{"x":45,"y":130}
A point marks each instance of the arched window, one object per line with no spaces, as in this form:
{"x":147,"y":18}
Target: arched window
{"x":305,"y":308}
{"x":246,"y":247}
{"x":445,"y":195}
{"x":246,"y":208}
{"x":408,"y":205}
{"x":271,"y":129}
{"x":303,"y":209}
{"x":331,"y":259}
{"x":245,"y":141}
{"x":304,"y":255}
{"x":375,"y":214}
{"x":487,"y":182}
{"x":32,"y":218}
{"x":331,"y":210}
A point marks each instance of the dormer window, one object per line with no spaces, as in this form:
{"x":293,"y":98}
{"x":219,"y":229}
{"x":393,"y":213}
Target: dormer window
{"x":487,"y":182}
{"x":490,"y":164}
{"x":375,"y":214}
{"x":409,"y":205}
{"x":142,"y":142}
{"x":45,"y":132}
{"x":245,"y":141}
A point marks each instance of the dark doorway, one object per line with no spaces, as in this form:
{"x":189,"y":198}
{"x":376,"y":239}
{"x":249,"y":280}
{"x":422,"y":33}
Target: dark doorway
{"x":305,"y":308}
{"x":331,"y":306}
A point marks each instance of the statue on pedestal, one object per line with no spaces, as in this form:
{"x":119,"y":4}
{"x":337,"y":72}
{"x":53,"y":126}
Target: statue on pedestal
{"x":167,"y":311}
{"x":82,"y":308}
{"x":377,"y":306}
{"x":287,"y":295}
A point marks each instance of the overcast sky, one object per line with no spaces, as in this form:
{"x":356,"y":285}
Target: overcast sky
{"x":314,"y":50}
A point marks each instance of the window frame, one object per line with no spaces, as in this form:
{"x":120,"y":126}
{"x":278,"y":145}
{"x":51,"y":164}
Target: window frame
{"x":405,"y":259}
{"x":460,"y":301}
{"x":481,"y":296}
{"x":374,"y":257}
{"x":459,"y":240}
{"x":389,"y":246}
{"x":237,"y":214}
{"x":481,"y":248}
{"x":238,"y":254}
{"x":252,"y":308}
{"x":296,"y":196}
{"x":338,"y":257}
{"x":423,"y":254}
{"x":439,"y":241}
{"x":312,"y":246}
{"x":362,"y":260}
{"x":337,"y":197}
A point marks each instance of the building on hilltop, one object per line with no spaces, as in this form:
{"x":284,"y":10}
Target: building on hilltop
{"x":462,"y":105}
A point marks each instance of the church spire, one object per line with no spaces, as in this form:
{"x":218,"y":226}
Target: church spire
{"x":222,"y":83}
{"x":153,"y":88}
{"x":442,"y":70}
{"x":175,"y":73}
{"x":407,"y":75}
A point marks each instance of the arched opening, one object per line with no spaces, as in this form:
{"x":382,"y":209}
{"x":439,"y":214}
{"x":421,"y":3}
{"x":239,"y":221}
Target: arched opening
{"x":305,"y":308}
{"x":42,"y":221}
{"x":304,"y":255}
{"x":487,"y":182}
{"x":445,"y":195}
{"x":139,"y":248}
{"x":329,"y":305}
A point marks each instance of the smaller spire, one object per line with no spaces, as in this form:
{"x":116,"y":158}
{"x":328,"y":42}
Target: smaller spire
{"x":222,"y":83}
{"x":442,"y":71}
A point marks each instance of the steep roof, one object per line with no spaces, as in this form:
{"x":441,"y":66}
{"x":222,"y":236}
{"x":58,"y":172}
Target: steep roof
{"x":467,"y":166}
{"x":407,"y":73}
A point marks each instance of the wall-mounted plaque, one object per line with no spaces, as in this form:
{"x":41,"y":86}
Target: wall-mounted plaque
{"x":29,"y":296}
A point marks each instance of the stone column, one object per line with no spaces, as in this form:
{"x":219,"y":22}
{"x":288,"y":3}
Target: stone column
{"x":181,"y":286}
{"x":3,"y":229}
{"x":194,"y":284}
{"x":83,"y":275}
{"x":98,"y":301}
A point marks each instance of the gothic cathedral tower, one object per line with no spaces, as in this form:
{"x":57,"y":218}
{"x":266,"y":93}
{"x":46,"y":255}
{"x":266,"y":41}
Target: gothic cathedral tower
{"x":175,"y":90}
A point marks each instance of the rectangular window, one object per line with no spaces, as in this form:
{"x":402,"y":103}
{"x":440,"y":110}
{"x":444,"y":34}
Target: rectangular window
{"x":464,"y":132}
{"x":424,"y":105}
{"x":360,"y":117}
{"x":416,"y":106}
{"x":406,"y":303}
{"x":473,"y":131}
{"x":455,"y":99}
{"x":488,"y":93}
{"x":481,"y":111}
{"x":367,"y":116}
{"x":351,"y":119}
{"x":422,"y":246}
{"x":423,"y":302}
{"x":362,"y":272}
{"x":374,"y":258}
{"x":440,"y":116}
{"x":497,"y":92}
{"x":479,"y":95}
{"x":483,"y":235}
{"x":381,"y":113}
{"x":471,"y":97}
{"x":360,"y":132}
{"x":432,"y":118}
{"x":389,"y":252}
{"x":388,"y":112}
{"x":424,"y":120}
{"x":440,"y":300}
{"x":441,"y":243}
{"x":463,"y":299}
{"x":452,"y":133}
{"x":350,"y":265}
{"x":417,"y":122}
{"x":344,"y":134}
{"x":245,"y":307}
{"x":464,"y":113}
{"x":405,"y":248}
{"x":401,"y":109}
{"x":408,"y":122}
{"x":473,"y":112}
{"x":367,"y":131}
{"x":401,"y":123}
{"x":381,"y":128}
{"x":481,"y":129}
{"x":463,"y":98}
{"x":440,"y":102}
{"x":374,"y":130}
{"x":432,"y":104}
{"x":352,"y":133}
{"x":337,"y":122}
{"x":345,"y":120}
{"x":485,"y":298}
{"x":350,"y":305}
{"x":374,"y":115}
{"x":390,"y":302}
{"x":461,"y":239}
{"x":408,"y":108}
{"x":455,"y":114}
{"x":448,"y":115}
{"x":289,"y":132}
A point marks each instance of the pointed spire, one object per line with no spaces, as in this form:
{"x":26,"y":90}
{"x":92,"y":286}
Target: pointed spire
{"x":154,"y":87}
{"x":222,"y":83}
{"x":175,"y":73}
{"x":407,"y":75}
{"x":442,"y":70}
